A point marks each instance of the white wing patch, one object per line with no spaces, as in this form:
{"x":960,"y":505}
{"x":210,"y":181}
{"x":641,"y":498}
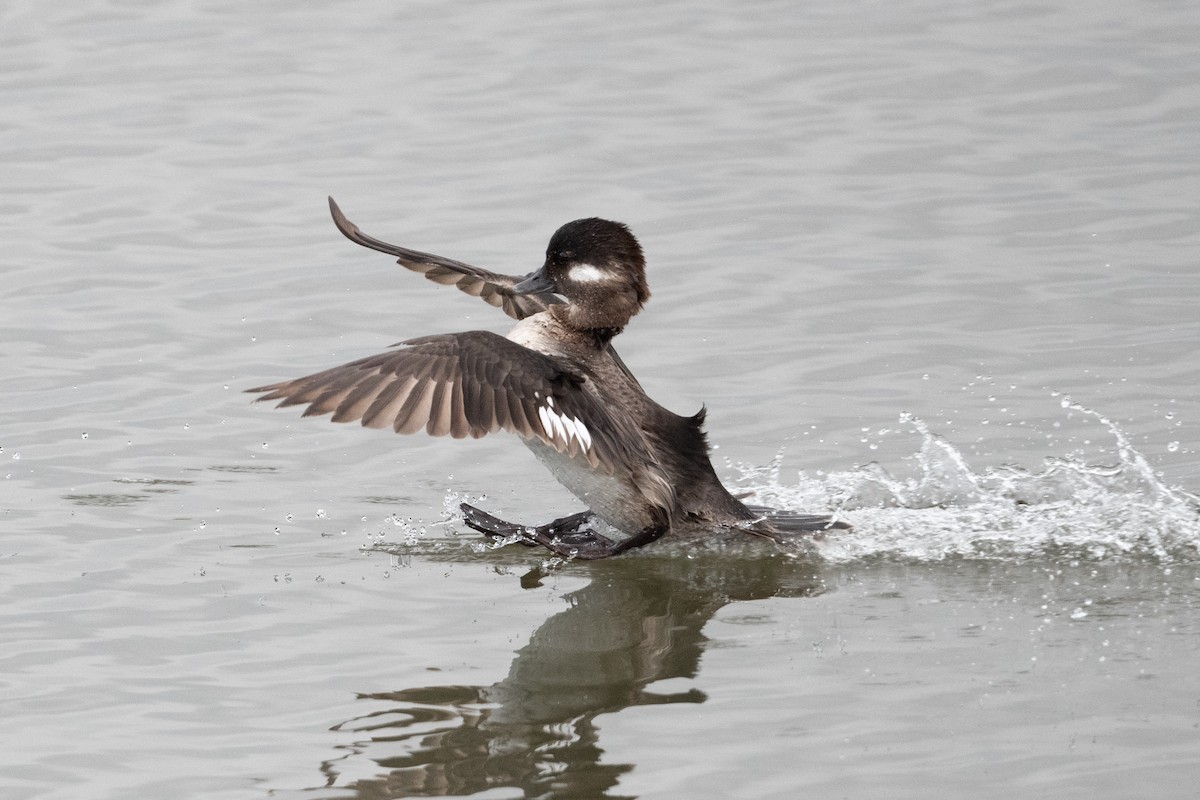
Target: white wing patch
{"x":588,"y":273}
{"x":560,"y":426}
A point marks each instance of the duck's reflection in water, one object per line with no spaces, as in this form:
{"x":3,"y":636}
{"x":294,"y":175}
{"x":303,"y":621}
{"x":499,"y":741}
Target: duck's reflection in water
{"x":638,"y":622}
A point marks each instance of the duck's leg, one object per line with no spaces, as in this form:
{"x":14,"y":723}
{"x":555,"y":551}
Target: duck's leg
{"x":568,"y":536}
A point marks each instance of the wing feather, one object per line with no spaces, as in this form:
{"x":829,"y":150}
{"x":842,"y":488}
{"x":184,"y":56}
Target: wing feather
{"x":491,"y":287}
{"x":460,"y":425}
{"x":471,"y":384}
{"x":414,"y":413}
{"x":389,"y":399}
{"x":439,"y":409}
{"x":357,"y":401}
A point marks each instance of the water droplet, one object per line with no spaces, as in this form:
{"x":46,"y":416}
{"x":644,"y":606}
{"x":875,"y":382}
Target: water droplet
{"x":1172,"y":447}
{"x":1078,"y":613}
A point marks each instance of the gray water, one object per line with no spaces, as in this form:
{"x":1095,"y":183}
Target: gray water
{"x":931,"y":266}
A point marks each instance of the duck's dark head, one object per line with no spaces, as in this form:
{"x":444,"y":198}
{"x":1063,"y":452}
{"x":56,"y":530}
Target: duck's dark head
{"x":598,"y":266}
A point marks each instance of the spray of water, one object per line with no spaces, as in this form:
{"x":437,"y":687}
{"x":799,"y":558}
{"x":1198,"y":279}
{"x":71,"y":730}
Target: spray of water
{"x":1068,"y":508}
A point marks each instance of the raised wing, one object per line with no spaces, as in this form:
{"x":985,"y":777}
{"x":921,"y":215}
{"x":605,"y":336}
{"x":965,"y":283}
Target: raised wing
{"x":470,"y":384}
{"x":492,"y":287}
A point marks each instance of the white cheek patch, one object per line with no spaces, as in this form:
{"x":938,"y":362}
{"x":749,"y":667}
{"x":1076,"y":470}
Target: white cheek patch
{"x":588,"y":273}
{"x":560,"y":426}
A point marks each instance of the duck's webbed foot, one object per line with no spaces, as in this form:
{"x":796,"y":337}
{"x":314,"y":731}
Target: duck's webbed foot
{"x":570,"y":537}
{"x":493,"y":527}
{"x":569,"y":530}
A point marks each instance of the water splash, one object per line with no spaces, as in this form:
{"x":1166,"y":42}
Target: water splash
{"x":404,"y":536}
{"x":1069,"y":508}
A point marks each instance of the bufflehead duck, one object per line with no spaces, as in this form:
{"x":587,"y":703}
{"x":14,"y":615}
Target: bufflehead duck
{"x":556,"y":382}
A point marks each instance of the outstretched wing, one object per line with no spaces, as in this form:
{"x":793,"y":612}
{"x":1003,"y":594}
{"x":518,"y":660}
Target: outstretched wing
{"x":492,"y":287}
{"x":470,"y":384}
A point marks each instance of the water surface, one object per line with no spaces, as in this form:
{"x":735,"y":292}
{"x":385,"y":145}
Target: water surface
{"x":930,"y":266}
